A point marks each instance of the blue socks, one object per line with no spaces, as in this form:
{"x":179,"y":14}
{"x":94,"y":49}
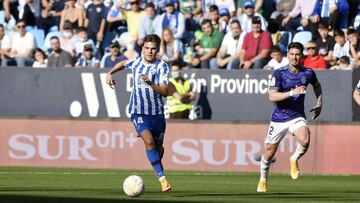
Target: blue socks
{"x":155,"y":161}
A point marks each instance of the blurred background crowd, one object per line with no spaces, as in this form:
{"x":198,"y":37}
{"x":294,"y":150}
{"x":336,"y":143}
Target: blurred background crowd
{"x":208,"y":34}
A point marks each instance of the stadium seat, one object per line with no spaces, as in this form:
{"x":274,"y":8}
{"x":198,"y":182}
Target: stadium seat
{"x":39,"y":35}
{"x":46,"y":45}
{"x":303,"y":37}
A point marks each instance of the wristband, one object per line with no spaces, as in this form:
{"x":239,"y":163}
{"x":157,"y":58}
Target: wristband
{"x":291,"y":93}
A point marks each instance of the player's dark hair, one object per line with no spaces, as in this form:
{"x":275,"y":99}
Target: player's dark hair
{"x":296,"y":45}
{"x":152,"y":38}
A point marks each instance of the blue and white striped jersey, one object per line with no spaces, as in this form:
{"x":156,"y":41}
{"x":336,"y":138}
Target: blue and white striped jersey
{"x":143,"y":99}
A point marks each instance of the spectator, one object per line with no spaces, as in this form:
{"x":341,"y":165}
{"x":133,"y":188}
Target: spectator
{"x":325,"y":43}
{"x":224,"y":20}
{"x":172,"y":19}
{"x":353,"y":38}
{"x":130,"y":52}
{"x":240,"y":9}
{"x":58,"y":57}
{"x":214,"y":16}
{"x":180,"y":94}
{"x":313,"y":59}
{"x":331,"y":11}
{"x":170,"y":48}
{"x":133,"y":18}
{"x":228,"y":54}
{"x":191,"y":10}
{"x":22,"y":45}
{"x":20,"y":10}
{"x":209,"y":42}
{"x":96,"y":14}
{"x":228,"y":4}
{"x":256,"y":46}
{"x":67,"y":39}
{"x":147,"y":23}
{"x":115,"y":19}
{"x":72,"y":15}
{"x":50,"y":14}
{"x":40,"y":59}
{"x":114,"y":57}
{"x":344,"y":64}
{"x":80,"y":39}
{"x":283,"y":8}
{"x":278,"y":60}
{"x":299,"y":16}
{"x":245,"y":18}
{"x":88,"y":58}
{"x":342,"y":46}
{"x":192,"y":13}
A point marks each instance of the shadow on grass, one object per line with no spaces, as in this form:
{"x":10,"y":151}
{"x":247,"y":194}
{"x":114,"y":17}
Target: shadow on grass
{"x":47,"y":199}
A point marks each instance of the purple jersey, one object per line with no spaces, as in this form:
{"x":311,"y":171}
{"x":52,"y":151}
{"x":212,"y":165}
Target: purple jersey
{"x":284,"y":80}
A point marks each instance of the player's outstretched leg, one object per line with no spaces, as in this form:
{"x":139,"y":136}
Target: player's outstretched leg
{"x":155,"y":160}
{"x":294,"y":166}
{"x":303,"y":136}
{"x":264,"y":171}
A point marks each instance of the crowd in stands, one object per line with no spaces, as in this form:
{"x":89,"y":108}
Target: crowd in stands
{"x":207,"y":34}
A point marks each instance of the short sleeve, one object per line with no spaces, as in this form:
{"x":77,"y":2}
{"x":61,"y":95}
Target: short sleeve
{"x":358,"y":87}
{"x":163,"y":74}
{"x":275,"y":82}
{"x":313,"y":78}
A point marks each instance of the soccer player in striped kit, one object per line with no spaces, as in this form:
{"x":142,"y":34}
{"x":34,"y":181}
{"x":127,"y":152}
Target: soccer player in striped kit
{"x":146,"y":105}
{"x":287,"y":90}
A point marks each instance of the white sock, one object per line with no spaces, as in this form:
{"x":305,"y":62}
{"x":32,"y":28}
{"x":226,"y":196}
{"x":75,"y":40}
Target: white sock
{"x":299,"y":151}
{"x":264,"y":168}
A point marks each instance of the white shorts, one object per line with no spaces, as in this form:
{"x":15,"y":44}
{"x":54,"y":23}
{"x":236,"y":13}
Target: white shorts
{"x":277,"y":131}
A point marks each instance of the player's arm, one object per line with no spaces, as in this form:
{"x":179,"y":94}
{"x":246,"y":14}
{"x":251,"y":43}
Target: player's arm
{"x":356,"y":96}
{"x":118,"y":67}
{"x":161,"y":89}
{"x":318,"y":93}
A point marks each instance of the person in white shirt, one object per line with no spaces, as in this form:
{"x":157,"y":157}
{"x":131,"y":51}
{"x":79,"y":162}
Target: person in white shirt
{"x":228,"y":54}
{"x":22,"y":45}
{"x":342,"y":46}
{"x":249,"y":12}
{"x":277,"y":59}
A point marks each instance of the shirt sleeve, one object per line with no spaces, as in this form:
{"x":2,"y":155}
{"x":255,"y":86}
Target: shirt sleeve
{"x":358,"y":87}
{"x":163,"y":74}
{"x":313,"y":78}
{"x":275,"y":82}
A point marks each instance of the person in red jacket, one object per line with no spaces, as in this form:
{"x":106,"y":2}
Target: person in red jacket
{"x":313,"y":59}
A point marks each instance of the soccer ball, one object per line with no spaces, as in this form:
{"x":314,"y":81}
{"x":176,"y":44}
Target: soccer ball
{"x":133,"y":186}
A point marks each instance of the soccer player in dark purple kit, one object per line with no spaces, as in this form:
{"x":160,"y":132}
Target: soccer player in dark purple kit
{"x":287,"y":90}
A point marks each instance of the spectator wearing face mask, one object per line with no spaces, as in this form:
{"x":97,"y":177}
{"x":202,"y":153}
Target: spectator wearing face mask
{"x":180,"y":96}
{"x":80,"y":40}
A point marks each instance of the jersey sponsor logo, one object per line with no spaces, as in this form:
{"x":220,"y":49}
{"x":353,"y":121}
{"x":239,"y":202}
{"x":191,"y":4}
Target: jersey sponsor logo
{"x":272,"y":82}
{"x":303,"y":80}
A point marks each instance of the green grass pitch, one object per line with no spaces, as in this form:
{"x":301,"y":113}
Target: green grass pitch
{"x":38,"y":185}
